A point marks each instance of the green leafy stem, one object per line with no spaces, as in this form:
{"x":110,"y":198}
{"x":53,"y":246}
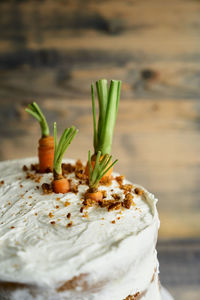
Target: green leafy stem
{"x":34,"y":110}
{"x":108,"y":99}
{"x":100,"y":168}
{"x":60,"y":148}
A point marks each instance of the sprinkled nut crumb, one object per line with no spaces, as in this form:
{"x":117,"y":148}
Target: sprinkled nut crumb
{"x":67,"y":203}
{"x":119,"y":180}
{"x":116,"y":196}
{"x":50,"y":215}
{"x":139,"y":191}
{"x":53,"y":222}
{"x":127,"y":187}
{"x":85,"y":215}
{"x":69,"y":224}
{"x":47,"y":188}
{"x":128,"y":201}
{"x":68,"y":216}
{"x":104,"y":194}
{"x":25,"y":168}
{"x":114,"y":206}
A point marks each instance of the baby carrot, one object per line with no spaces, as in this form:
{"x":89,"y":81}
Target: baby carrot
{"x":60,"y":183}
{"x":46,"y":142}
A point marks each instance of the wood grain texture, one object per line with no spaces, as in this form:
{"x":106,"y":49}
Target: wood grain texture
{"x":52,"y":50}
{"x":180,"y":267}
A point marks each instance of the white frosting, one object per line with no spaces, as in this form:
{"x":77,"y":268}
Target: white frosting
{"x":120,"y":256}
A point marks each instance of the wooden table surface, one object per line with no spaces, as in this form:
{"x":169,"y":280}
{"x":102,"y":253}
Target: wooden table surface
{"x":52,"y":50}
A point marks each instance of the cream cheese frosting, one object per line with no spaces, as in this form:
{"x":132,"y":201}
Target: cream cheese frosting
{"x":114,"y":250}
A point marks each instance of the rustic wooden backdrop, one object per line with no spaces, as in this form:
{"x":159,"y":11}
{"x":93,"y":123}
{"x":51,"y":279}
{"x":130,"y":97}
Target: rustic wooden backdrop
{"x":50,"y":51}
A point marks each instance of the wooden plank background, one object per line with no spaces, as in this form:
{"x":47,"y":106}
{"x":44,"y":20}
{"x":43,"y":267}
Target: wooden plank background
{"x":52,"y":50}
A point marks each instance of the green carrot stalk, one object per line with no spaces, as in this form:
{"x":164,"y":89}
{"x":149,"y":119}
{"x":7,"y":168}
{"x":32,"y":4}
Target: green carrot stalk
{"x":34,"y":110}
{"x":108,"y":100}
{"x":100,"y":168}
{"x":60,"y":148}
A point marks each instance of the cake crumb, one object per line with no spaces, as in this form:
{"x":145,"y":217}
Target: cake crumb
{"x":114,"y":206}
{"x":21,"y":186}
{"x":104,"y":193}
{"x":12,"y":227}
{"x":69,"y":224}
{"x":128,"y":201}
{"x":139,"y":191}
{"x":47,"y":188}
{"x":67,"y":203}
{"x":35,"y":214}
{"x":116,"y":196}
{"x":58,"y":199}
{"x":67,"y":168}
{"x":57,"y":206}
{"x":119,"y":180}
{"x":51,"y":215}
{"x":53,"y":222}
{"x":73,"y":187}
{"x":85,"y":215}
{"x":2,"y":182}
{"x":113,"y":222}
{"x":68,"y":215}
{"x":127,"y":187}
{"x":25,"y":168}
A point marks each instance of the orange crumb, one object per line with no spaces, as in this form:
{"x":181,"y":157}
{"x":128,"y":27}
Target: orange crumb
{"x":50,"y":215}
{"x":113,"y":222}
{"x":69,"y":224}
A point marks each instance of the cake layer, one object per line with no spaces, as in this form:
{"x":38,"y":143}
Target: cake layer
{"x":49,"y":242}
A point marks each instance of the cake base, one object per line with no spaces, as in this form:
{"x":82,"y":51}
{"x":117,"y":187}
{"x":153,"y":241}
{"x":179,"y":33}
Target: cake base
{"x":165,"y":294}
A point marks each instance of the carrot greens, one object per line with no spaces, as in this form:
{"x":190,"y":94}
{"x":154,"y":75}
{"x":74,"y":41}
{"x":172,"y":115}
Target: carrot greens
{"x":61,"y":147}
{"x":34,"y":110}
{"x":108,"y":100}
{"x":100,"y":168}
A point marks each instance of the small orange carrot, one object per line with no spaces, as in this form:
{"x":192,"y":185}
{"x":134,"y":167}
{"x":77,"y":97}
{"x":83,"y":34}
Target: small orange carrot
{"x":94,"y":195}
{"x":60,"y":183}
{"x":46,"y":142}
{"x":46,"y":154}
{"x":101,"y":168}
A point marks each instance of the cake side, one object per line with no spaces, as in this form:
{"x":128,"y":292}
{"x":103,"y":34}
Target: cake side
{"x":48,"y":241}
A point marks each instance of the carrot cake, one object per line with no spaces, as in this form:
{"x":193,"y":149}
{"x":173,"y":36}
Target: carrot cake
{"x":62,"y":246}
